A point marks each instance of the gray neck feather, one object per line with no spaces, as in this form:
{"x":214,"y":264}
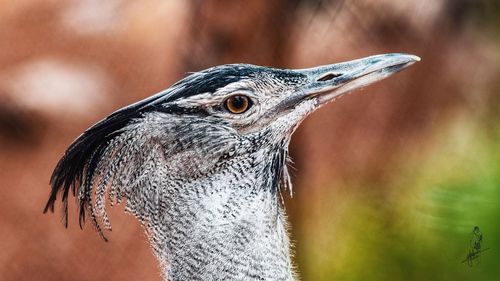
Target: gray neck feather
{"x":216,"y":229}
{"x":207,"y":196}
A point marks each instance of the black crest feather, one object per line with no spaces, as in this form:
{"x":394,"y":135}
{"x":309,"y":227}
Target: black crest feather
{"x":80,"y":160}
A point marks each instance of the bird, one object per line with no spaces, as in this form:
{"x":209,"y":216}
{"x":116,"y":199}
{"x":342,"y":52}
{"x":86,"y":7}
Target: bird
{"x":203,"y":164}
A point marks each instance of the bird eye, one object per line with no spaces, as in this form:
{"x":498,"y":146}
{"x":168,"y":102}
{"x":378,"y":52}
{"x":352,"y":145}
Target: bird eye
{"x":237,"y":104}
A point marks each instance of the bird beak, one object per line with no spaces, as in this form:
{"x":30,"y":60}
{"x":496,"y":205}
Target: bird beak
{"x":330,"y":81}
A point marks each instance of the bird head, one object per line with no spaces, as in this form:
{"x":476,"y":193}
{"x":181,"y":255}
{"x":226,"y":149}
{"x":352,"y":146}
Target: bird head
{"x":270,"y":103}
{"x":207,"y":121}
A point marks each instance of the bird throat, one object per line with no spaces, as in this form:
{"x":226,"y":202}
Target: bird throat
{"x":229,"y":225}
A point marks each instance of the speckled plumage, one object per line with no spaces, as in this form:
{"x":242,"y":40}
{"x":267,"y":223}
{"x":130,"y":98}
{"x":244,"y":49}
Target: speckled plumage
{"x":206,"y":183}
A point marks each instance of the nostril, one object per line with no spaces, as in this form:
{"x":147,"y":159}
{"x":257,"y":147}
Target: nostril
{"x":329,"y":76}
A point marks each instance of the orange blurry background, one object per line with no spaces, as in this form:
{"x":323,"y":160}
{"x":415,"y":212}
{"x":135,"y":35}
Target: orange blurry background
{"x":388,"y":184}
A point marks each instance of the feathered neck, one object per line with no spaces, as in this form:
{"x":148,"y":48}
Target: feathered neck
{"x":228,"y":226}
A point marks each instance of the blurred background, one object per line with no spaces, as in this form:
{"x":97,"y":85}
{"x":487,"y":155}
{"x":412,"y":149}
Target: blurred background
{"x":389,"y":181}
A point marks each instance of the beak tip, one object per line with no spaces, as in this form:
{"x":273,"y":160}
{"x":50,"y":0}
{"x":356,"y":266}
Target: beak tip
{"x":414,"y":58}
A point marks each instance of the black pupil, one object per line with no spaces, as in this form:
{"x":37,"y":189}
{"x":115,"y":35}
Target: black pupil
{"x":238,"y":102}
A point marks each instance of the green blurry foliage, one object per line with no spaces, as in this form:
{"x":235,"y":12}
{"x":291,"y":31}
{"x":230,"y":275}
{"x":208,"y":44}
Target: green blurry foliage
{"x":418,"y":225}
